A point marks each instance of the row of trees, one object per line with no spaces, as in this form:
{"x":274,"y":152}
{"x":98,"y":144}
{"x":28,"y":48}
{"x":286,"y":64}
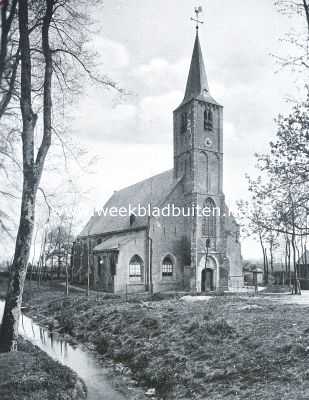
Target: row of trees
{"x":277,"y":213}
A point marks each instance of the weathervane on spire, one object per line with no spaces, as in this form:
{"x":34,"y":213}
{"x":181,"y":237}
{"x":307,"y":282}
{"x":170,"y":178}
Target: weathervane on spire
{"x":197,"y":11}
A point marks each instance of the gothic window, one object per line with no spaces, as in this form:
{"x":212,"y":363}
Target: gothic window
{"x":209,"y":224}
{"x":208,"y":119}
{"x":184,"y":122}
{"x":167,"y":267}
{"x":136,"y":267}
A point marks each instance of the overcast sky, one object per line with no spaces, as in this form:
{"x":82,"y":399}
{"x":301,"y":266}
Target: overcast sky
{"x":146,"y":47}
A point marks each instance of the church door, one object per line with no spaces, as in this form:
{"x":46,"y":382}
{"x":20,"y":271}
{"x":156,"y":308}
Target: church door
{"x":207,"y":280}
{"x":106,"y":272}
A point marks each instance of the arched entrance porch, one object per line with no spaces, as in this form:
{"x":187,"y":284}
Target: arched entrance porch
{"x":207,"y":275}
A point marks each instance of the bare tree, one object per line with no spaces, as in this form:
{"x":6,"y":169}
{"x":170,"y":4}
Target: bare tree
{"x":52,"y":48}
{"x":254,"y":222}
{"x":283,"y":191}
{"x":9,"y":54}
{"x":298,"y":38}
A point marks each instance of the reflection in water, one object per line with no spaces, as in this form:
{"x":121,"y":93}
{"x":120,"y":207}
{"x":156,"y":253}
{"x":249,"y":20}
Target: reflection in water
{"x":82,"y":362}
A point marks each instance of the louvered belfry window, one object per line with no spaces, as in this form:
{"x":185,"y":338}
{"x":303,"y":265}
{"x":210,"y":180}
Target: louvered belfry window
{"x":208,"y":119}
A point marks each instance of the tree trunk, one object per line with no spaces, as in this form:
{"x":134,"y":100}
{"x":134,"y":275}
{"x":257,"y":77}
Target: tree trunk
{"x":10,"y":322}
{"x":264,"y":259}
{"x":271,"y":252}
{"x":293,"y":241}
{"x":296,"y":291}
{"x":289,"y":260}
{"x":88,"y":266}
{"x":305,"y":257}
{"x":8,"y":62}
{"x":306,"y":8}
{"x":286,"y":257}
{"x":9,"y":328}
{"x":266,"y":265}
{"x":32,"y":170}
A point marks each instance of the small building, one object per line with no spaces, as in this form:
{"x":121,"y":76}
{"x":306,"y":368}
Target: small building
{"x":253,"y":274}
{"x":187,"y":250}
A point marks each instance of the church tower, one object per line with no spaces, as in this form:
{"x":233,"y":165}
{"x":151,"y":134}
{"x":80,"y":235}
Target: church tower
{"x":198,"y":158}
{"x":197,"y":251}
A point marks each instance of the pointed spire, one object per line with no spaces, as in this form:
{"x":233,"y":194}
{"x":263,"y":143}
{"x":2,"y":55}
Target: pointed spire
{"x":197,"y":79}
{"x":197,"y":83}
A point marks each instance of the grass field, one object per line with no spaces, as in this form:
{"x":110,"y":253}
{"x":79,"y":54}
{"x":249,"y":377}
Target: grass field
{"x":229,"y":347}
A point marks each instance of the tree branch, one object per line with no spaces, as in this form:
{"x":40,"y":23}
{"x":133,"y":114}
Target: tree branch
{"x":47,"y":98}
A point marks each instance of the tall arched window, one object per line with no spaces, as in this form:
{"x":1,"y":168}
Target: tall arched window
{"x":167,"y":267}
{"x":136,"y":268}
{"x":209,"y":224}
{"x":208,"y":119}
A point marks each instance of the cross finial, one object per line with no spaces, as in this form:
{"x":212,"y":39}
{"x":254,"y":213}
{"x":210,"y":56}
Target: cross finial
{"x":197,"y":11}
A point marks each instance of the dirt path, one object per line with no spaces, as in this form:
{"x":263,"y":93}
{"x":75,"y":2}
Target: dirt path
{"x":301,"y":300}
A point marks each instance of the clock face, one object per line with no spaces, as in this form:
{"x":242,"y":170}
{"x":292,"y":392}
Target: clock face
{"x":208,"y":142}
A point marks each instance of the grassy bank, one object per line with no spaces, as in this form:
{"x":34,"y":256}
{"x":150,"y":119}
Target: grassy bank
{"x":29,"y":374}
{"x":225,"y":348}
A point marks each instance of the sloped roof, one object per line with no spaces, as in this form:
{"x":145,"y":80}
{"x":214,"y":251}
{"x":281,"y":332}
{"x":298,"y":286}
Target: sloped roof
{"x":151,"y":191}
{"x":112,"y":243}
{"x":197,"y":83}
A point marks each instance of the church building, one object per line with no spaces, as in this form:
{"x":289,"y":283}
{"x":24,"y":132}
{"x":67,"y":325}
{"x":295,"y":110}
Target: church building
{"x":194,"y":251}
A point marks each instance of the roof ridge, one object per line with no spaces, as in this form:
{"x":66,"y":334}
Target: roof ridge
{"x":177,"y":181}
{"x":143,"y":180}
